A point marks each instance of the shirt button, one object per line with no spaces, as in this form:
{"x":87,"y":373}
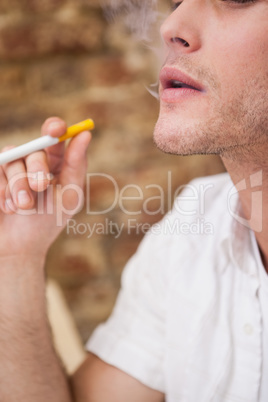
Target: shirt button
{"x":248,"y":329}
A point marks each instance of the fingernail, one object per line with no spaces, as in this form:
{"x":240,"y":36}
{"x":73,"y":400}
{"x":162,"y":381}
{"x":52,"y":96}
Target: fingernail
{"x":23,"y":198}
{"x":54,"y":125}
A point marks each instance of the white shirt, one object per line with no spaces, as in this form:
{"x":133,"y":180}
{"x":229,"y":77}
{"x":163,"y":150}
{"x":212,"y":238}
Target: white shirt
{"x":263,"y":296}
{"x":189,"y":317}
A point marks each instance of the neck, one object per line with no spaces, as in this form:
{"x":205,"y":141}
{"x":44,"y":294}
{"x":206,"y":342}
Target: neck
{"x":249,"y":174}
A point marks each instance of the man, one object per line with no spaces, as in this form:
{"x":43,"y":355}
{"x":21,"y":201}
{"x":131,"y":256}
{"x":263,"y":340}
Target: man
{"x":190,"y":322}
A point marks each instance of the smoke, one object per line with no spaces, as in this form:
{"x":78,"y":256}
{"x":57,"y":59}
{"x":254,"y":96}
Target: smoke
{"x":153,"y":90}
{"x":139,"y":16}
{"x":142,"y":18}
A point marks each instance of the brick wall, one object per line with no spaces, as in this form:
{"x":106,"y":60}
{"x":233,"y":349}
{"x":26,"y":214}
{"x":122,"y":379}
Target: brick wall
{"x":60,"y":57}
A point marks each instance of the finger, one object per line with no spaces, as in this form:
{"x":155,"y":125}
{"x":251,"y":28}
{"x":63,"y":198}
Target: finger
{"x":18,"y":193}
{"x":3,"y":190}
{"x":38,"y":171}
{"x":10,"y":172}
{"x":55,"y":127}
{"x":9,"y":207}
{"x":75,"y":160}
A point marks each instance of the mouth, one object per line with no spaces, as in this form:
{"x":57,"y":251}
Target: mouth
{"x":178,"y":84}
{"x":175,"y":84}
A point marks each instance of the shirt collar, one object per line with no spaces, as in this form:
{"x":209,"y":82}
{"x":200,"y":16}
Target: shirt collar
{"x":237,"y":241}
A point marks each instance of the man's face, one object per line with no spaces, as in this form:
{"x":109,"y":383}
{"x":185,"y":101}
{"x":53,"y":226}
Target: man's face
{"x":218,"y":50}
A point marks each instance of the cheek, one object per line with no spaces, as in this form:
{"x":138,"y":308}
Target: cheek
{"x":240,"y":59}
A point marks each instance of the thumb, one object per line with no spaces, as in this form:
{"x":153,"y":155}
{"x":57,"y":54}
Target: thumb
{"x":72,"y":176}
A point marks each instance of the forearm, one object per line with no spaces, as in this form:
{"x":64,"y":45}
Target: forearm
{"x":29,"y":370}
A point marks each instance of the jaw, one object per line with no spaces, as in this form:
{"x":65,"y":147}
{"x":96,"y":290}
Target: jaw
{"x":192,"y":128}
{"x":223,"y":120}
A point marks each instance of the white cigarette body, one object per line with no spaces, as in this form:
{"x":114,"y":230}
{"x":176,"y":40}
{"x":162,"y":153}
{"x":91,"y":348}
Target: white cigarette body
{"x":26,"y":149}
{"x":44,"y":142}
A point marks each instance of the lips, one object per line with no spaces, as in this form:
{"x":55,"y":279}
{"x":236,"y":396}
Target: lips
{"x":175,"y":85}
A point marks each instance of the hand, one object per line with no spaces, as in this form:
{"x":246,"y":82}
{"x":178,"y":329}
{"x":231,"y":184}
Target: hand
{"x":40,"y":192}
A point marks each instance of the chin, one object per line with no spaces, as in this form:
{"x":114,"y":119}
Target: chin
{"x":174,"y":140}
{"x":188,"y":140}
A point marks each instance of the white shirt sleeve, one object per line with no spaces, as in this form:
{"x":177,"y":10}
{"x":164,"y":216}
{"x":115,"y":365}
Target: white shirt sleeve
{"x":133,"y":337}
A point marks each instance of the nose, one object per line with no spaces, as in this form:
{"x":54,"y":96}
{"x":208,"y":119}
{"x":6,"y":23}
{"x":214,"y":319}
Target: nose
{"x":182,"y":28}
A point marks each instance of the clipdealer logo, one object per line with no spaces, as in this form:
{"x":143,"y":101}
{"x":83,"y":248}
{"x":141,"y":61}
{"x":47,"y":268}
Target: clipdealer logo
{"x":133,"y":226}
{"x":189,"y":199}
{"x":135,"y":201}
{"x":255,"y":220}
{"x":132,"y":201}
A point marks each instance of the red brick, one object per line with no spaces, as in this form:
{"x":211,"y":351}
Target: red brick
{"x":88,"y":4}
{"x":27,"y":6}
{"x":33,"y":38}
{"x":107,"y":70}
{"x":25,"y":117}
{"x":12,"y":84}
{"x":41,"y":6}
